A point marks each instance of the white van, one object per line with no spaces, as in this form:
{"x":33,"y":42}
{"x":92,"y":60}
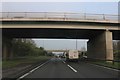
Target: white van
{"x":72,"y":55}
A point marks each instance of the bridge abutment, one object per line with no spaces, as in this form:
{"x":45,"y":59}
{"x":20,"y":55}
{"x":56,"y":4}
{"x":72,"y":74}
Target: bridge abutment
{"x":4,"y":52}
{"x":7,"y":52}
{"x":100,"y":46}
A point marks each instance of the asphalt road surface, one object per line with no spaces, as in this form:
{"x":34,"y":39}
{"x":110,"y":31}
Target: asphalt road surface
{"x":58,"y":68}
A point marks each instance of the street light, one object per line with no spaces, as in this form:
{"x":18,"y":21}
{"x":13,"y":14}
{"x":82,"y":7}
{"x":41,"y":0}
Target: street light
{"x":76,"y":39}
{"x":76,"y":44}
{"x":43,"y":43}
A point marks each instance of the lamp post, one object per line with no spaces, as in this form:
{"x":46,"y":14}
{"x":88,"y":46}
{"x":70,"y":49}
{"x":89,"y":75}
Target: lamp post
{"x":43,"y":44}
{"x":76,"y":39}
{"x":76,"y":44}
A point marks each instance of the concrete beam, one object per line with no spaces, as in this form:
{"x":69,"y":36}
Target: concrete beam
{"x":63,"y":26}
{"x":100,"y":46}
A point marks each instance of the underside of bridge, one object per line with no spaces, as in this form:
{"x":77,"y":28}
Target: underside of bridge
{"x":50,"y":33}
{"x":100,"y":35}
{"x":99,"y":44}
{"x":55,"y":33}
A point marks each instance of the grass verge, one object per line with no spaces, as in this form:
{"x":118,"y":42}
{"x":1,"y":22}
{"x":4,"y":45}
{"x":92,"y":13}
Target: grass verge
{"x":116,"y":65}
{"x":23,"y":61}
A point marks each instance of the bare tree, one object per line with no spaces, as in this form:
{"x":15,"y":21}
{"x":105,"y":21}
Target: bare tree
{"x":115,"y":46}
{"x":83,"y":49}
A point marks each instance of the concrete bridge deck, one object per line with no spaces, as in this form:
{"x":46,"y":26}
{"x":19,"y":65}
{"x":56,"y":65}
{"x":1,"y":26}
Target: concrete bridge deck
{"x":58,"y":16}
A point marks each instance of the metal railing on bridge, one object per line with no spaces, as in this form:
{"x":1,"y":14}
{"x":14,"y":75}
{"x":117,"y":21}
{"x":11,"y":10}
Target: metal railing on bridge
{"x":57,"y":16}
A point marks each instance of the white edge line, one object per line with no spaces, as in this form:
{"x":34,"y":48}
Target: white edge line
{"x":23,"y":76}
{"x":72,"y":68}
{"x":104,"y":67}
{"x":31,"y":71}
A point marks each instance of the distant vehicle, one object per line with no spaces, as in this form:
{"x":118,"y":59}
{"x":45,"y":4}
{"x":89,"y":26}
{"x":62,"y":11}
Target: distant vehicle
{"x":63,"y":55}
{"x":72,"y":55}
{"x":84,"y":56}
{"x":56,"y":56}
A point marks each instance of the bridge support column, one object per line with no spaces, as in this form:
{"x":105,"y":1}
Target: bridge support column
{"x":100,"y":47}
{"x":7,"y":52}
{"x":4,"y":52}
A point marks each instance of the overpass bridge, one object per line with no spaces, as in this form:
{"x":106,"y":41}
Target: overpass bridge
{"x":58,"y":50}
{"x":100,"y":29}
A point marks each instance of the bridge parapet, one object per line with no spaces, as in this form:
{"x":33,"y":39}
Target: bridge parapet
{"x":58,"y":16}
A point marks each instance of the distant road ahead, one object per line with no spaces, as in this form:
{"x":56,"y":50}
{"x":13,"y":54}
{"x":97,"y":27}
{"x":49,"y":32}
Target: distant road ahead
{"x":58,"y":68}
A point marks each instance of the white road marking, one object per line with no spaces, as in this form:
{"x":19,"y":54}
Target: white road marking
{"x":104,"y":67}
{"x":72,"y":68}
{"x":63,"y":61}
{"x":31,"y":71}
{"x":23,"y":76}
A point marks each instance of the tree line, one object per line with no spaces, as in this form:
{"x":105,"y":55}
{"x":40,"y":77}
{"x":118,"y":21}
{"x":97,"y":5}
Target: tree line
{"x":26,"y":47}
{"x":116,"y":49}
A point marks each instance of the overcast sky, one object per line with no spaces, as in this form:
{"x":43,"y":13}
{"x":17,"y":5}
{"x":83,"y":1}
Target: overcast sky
{"x":61,"y":44}
{"x":82,"y":7}
{"x":79,"y":7}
